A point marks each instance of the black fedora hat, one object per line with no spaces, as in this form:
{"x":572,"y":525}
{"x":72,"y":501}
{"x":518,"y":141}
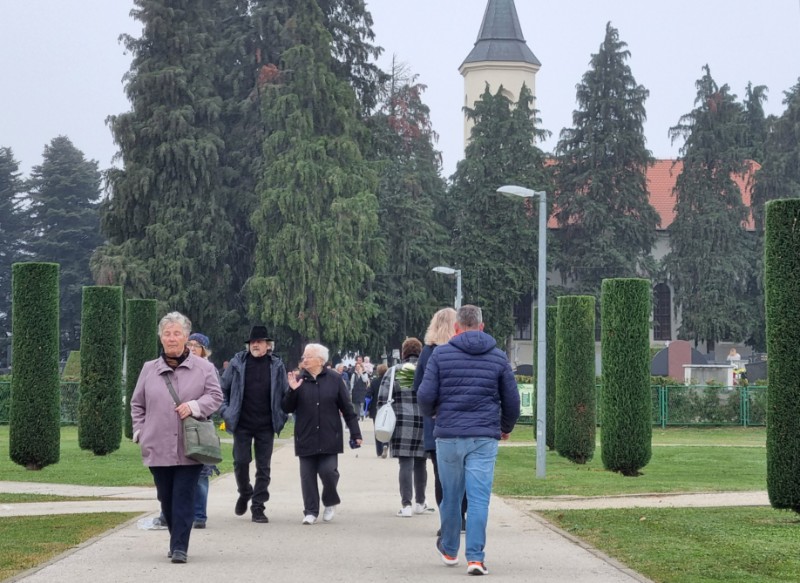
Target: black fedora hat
{"x":258,"y":333}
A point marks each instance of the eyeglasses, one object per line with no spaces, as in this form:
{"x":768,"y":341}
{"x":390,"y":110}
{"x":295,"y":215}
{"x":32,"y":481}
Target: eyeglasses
{"x":193,"y":345}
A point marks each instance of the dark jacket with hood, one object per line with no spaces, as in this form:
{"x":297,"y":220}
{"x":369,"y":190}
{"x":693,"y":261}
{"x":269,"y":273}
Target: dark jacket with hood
{"x":233,"y":391}
{"x":470,"y":388}
{"x":316,"y":405}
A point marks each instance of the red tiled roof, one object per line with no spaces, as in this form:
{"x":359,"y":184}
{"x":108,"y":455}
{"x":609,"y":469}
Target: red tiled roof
{"x":661,"y":178}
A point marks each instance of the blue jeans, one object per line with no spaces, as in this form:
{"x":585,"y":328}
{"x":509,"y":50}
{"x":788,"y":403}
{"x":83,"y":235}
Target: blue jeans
{"x":466,"y":464}
{"x":201,"y":499}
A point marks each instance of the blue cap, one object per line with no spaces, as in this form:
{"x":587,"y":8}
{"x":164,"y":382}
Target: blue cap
{"x":201,"y":339}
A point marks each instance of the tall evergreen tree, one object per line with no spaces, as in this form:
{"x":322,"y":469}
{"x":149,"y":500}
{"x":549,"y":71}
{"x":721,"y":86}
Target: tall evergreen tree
{"x":410,"y":183}
{"x":756,"y":122}
{"x":711,"y":256}
{"x":64,"y":191}
{"x":317,"y":215}
{"x":607,"y":225}
{"x":492,"y":236}
{"x":13,"y":234}
{"x":168,"y":231}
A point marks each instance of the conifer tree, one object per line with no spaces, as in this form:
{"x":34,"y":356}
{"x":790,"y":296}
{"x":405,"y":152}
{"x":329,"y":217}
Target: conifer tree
{"x":317,"y":214}
{"x":607,"y":226}
{"x":711,"y":256}
{"x":13,"y":235}
{"x":410,"y":183}
{"x":493,"y":237}
{"x":166,"y":219}
{"x":64,"y":191}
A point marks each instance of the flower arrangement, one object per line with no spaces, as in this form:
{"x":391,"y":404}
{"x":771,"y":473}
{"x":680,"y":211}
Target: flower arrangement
{"x":405,"y":375}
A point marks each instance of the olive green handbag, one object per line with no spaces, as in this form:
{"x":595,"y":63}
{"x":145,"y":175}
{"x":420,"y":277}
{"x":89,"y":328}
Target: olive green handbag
{"x":200,"y":440}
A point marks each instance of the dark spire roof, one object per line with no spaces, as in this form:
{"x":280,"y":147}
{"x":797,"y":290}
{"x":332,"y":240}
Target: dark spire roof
{"x":500,"y":37}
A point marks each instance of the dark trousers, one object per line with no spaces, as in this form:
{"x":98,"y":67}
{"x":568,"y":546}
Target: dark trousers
{"x":326,"y":466}
{"x":175,"y":487}
{"x":378,"y":444}
{"x":438,"y":487}
{"x":244,"y":442}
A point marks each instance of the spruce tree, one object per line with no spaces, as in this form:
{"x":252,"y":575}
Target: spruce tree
{"x":168,"y":229}
{"x":607,"y":226}
{"x":410,"y":183}
{"x":100,"y":403}
{"x":493,"y":237}
{"x":317,"y":214}
{"x":13,"y":235}
{"x":711,"y":255}
{"x":64,"y":191}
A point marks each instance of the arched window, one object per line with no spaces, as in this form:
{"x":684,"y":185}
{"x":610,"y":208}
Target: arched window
{"x":662,"y":312}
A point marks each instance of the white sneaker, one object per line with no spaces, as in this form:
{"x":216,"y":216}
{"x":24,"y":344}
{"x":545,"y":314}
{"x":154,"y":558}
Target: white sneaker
{"x":405,"y":512}
{"x":421,"y":508}
{"x":327,"y":515}
{"x":309,"y":519}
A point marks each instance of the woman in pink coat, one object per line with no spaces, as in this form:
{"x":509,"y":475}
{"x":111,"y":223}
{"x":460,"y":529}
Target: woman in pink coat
{"x":158,"y":424}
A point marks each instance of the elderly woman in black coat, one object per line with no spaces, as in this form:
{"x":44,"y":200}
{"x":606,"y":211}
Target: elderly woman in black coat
{"x":317,"y":397}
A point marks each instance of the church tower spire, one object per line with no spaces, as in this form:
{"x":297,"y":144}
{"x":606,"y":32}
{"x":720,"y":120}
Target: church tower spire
{"x":500,"y":57}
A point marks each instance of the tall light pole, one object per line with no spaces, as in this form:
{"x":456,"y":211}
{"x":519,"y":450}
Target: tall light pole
{"x":457,"y":273}
{"x":541,"y":341}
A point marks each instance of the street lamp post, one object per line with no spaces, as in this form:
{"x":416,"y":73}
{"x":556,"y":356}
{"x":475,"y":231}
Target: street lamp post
{"x":541,"y":341}
{"x":457,"y":273}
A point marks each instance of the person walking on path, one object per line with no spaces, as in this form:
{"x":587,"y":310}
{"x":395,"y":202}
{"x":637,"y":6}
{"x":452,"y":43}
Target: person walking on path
{"x":440,"y":330}
{"x":382,"y":449}
{"x":158,"y":424}
{"x":319,"y":399}
{"x":406,"y":441}
{"x":253,"y":387}
{"x":470,"y":388}
{"x":199,"y":346}
{"x":359,"y":383}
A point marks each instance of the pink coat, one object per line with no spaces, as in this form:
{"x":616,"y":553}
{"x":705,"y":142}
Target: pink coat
{"x":157,"y":428}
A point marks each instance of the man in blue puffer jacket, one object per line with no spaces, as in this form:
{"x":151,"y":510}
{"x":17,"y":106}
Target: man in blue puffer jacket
{"x":470,"y":389}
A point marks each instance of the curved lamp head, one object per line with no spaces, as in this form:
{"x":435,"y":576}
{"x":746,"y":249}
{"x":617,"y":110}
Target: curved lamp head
{"x":511,"y":190}
{"x":445,"y":270}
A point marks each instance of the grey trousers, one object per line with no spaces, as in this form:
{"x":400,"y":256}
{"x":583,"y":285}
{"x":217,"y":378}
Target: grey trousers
{"x":413,"y":469}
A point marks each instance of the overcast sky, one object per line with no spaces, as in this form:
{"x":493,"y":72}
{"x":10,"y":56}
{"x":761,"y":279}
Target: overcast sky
{"x":61,"y":65}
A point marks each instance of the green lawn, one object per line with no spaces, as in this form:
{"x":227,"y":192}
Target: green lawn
{"x":27,"y":541}
{"x":8,"y":498}
{"x":120,"y":468}
{"x":730,"y":545}
{"x":697,"y":435}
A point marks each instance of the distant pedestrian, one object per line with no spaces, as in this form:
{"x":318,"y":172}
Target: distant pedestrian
{"x":359,"y":383}
{"x":319,"y":399}
{"x":382,"y":449}
{"x":470,"y":388}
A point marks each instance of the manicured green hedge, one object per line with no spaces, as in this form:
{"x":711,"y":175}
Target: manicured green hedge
{"x":100,"y":404}
{"x":141,"y":345}
{"x":782,"y":285}
{"x":35,"y":428}
{"x":626,"y":396}
{"x":551,"y":316}
{"x":575,"y":379}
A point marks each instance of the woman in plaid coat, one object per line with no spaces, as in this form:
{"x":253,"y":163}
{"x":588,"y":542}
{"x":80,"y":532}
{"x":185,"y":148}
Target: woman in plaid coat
{"x":407,"y":440}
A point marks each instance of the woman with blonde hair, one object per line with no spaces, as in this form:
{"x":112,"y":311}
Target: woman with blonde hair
{"x":440,"y":330}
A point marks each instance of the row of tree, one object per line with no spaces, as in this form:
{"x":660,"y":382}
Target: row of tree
{"x":271,"y":172}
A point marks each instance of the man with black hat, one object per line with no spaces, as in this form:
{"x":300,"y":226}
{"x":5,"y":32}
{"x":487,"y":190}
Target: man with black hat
{"x":253,"y":386}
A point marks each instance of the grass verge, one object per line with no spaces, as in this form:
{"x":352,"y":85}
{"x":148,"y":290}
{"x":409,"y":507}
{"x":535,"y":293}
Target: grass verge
{"x":9,"y":498}
{"x":731,"y":545}
{"x":27,"y":541}
{"x":671,"y":469}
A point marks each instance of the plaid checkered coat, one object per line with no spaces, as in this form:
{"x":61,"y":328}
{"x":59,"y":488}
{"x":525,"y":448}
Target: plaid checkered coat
{"x":407,"y":439}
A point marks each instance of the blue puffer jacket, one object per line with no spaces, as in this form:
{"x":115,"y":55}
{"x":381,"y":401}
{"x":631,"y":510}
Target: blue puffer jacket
{"x":469,"y":386}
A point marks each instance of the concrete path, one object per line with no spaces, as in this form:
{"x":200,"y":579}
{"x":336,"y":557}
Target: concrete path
{"x":364,"y":542}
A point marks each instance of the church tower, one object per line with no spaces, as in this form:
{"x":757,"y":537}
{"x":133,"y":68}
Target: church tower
{"x":500,"y":57}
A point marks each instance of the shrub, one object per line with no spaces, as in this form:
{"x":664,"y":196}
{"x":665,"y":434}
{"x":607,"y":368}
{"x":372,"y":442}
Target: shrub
{"x":100,"y":402}
{"x":551,"y":315}
{"x":575,"y":381}
{"x":625,"y":441}
{"x":781,"y":277}
{"x":35,"y":428}
{"x":141,"y":345}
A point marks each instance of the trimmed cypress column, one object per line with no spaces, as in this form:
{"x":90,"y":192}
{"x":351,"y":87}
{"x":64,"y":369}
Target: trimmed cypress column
{"x":141,"y":345}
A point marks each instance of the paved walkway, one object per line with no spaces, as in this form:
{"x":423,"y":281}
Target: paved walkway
{"x":364,"y":542}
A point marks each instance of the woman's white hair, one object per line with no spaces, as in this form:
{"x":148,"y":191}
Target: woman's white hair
{"x":175,"y":318}
{"x":319,"y":350}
